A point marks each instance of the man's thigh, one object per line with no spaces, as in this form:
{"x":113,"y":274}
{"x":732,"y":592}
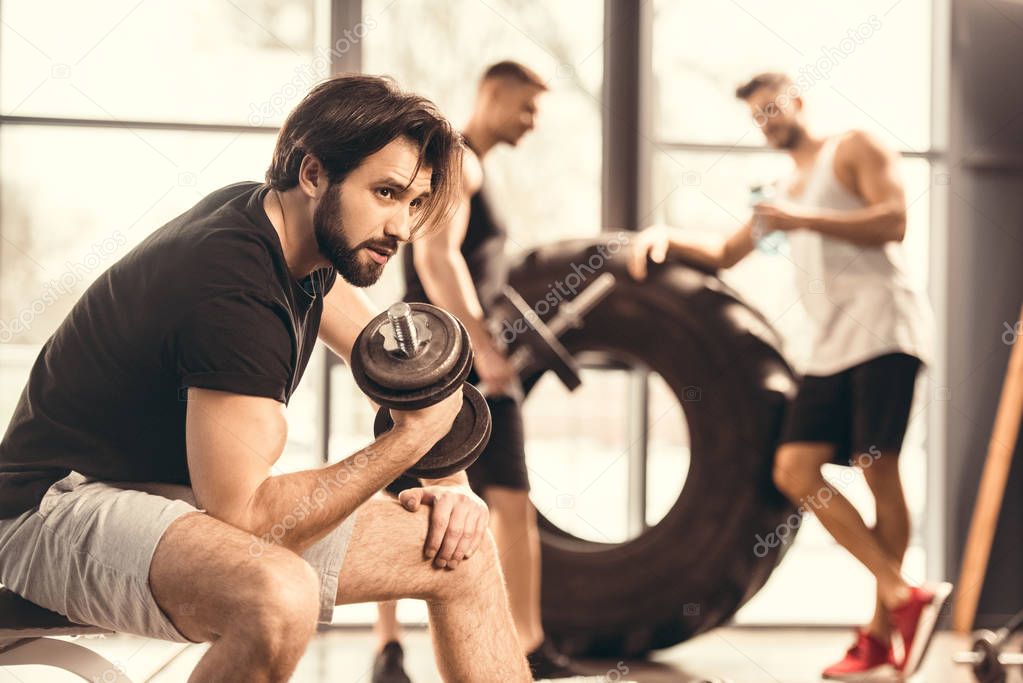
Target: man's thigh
{"x":385,"y":557}
{"x":86,"y":551}
{"x":209,"y":576}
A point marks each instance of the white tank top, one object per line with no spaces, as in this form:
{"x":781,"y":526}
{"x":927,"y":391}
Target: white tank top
{"x":860,"y":298}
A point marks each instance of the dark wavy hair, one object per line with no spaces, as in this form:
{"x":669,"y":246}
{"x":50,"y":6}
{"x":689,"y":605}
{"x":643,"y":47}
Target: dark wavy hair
{"x":347,"y":118}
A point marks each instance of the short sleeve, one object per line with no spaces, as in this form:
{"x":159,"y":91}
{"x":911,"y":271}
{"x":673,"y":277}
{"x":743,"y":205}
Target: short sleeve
{"x":236,"y":342}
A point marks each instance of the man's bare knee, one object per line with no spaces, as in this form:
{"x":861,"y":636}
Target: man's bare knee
{"x":480,"y":572}
{"x":207,"y":579}
{"x":797,"y":469}
{"x":794,"y":474}
{"x":385,"y":559}
{"x":283,"y":606}
{"x":882,"y":474}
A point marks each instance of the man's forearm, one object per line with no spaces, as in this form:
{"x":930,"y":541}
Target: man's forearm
{"x":297,"y":509}
{"x":870,"y":227}
{"x":710,"y":256}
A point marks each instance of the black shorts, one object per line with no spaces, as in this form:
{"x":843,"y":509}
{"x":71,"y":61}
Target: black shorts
{"x":503,"y":461}
{"x":863,"y":409}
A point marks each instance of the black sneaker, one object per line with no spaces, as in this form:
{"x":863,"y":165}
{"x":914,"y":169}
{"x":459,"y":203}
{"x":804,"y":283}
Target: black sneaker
{"x":546,"y":662}
{"x":388,"y":667}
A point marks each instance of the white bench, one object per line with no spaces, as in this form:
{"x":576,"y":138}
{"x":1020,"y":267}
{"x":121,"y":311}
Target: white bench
{"x":27,"y":637}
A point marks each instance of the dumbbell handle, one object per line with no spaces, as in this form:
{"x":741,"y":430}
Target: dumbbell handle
{"x":570,"y":314}
{"x":972,"y":658}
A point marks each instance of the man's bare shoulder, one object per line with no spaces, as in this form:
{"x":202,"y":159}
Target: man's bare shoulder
{"x":855,"y":146}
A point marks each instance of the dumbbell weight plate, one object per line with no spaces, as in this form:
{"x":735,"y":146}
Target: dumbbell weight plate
{"x":444,"y":343}
{"x":381,"y":375}
{"x":460,"y":447}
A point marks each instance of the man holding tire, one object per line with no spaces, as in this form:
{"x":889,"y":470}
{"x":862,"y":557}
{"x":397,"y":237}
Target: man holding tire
{"x":461,"y":267}
{"x":843,"y":213}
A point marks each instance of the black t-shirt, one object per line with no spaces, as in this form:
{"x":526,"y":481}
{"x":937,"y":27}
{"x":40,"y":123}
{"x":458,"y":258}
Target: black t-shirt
{"x":205,"y":301}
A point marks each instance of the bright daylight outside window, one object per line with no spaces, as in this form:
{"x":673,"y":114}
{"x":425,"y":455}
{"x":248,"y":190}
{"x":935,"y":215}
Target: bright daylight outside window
{"x":76,"y":197}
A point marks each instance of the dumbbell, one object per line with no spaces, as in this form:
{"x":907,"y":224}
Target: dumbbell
{"x":535,"y":344}
{"x":413,"y":356}
{"x":986,"y":657}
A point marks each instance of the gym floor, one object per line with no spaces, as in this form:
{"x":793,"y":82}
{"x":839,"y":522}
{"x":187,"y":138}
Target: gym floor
{"x":735,"y":655}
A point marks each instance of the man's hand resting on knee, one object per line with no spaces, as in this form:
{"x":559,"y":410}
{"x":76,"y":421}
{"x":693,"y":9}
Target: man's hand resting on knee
{"x":458,"y":519}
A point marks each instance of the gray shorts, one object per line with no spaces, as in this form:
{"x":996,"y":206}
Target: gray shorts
{"x":85,"y":553}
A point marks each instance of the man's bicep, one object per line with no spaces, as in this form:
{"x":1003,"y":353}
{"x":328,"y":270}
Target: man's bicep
{"x":346,"y":311}
{"x":232,"y":442}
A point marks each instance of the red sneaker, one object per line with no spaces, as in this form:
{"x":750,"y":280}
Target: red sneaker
{"x":914,"y":622}
{"x":867,"y":656}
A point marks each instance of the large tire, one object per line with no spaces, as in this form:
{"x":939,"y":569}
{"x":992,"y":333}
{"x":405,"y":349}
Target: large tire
{"x":695,"y":568}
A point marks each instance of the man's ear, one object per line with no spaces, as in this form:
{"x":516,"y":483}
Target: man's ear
{"x":312,"y":177}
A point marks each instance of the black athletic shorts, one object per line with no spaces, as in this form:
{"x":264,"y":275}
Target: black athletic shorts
{"x":503,"y":461}
{"x":861,"y":408}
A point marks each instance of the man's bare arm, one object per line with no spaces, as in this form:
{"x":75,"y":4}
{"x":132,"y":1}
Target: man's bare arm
{"x":346,"y":311}
{"x":658,"y":242}
{"x":445,"y":275}
{"x":874,"y":170}
{"x":233,"y":442}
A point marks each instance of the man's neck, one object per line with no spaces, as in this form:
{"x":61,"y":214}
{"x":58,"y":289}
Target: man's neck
{"x":483,"y":140}
{"x":288,"y":217}
{"x":805,"y":152}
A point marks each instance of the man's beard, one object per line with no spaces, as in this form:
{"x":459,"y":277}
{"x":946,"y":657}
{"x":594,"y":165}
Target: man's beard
{"x":793,"y":136}
{"x":328,"y":226}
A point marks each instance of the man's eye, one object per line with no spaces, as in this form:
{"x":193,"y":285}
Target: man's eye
{"x":385,"y":192}
{"x":416,"y":203}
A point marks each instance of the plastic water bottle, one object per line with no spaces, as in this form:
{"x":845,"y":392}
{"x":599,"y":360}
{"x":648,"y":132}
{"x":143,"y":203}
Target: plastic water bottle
{"x":767,"y":241}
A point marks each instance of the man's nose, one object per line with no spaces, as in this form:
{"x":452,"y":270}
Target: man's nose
{"x":399,"y":226}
